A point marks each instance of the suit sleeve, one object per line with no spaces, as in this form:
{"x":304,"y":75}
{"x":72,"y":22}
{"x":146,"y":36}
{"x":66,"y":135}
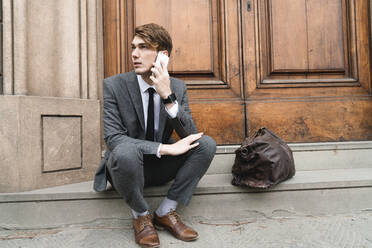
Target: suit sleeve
{"x":183,"y":123}
{"x":115,"y":133}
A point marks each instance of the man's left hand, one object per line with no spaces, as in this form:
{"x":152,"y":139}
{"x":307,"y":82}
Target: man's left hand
{"x":161,"y":80}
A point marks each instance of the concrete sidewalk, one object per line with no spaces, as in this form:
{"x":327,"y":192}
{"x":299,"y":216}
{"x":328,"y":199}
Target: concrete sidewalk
{"x":343,"y":230}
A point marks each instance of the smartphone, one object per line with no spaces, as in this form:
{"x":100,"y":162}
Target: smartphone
{"x":162,"y":57}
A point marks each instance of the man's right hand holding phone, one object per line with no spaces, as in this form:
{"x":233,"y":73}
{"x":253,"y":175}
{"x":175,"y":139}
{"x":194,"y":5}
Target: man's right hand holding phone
{"x":161,"y":80}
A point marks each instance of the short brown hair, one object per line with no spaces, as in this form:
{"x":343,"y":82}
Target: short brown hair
{"x":156,"y":36}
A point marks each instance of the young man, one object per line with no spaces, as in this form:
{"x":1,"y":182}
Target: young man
{"x":140,"y":111}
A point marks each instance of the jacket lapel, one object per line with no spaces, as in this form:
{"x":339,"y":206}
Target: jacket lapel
{"x":135,"y":94}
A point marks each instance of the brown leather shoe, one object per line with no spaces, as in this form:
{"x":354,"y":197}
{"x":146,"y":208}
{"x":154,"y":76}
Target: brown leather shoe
{"x":145,"y":233}
{"x":173,"y":223}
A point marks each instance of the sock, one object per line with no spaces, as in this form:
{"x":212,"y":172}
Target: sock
{"x":166,"y":206}
{"x":136,"y":214}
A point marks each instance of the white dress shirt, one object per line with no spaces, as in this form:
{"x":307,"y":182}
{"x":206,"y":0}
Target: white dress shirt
{"x":145,"y":101}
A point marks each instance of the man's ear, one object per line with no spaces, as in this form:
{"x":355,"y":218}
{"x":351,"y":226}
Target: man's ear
{"x":165,"y":52}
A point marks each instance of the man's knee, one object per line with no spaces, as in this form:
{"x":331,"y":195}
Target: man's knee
{"x":202,"y":156}
{"x":127,"y":158}
{"x":207,"y":145}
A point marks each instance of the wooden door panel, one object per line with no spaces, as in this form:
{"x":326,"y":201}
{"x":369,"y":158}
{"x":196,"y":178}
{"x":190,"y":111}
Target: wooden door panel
{"x":222,"y":120}
{"x":111,"y":38}
{"x":288,"y":51}
{"x":206,"y":55}
{"x":326,"y":35}
{"x":305,"y":37}
{"x":195,"y":30}
{"x":311,"y":42}
{"x":189,"y":22}
{"x":318,"y":87}
{"x":316,"y":120}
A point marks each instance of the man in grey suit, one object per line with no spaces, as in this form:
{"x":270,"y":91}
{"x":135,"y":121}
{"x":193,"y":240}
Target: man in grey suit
{"x":140,"y":111}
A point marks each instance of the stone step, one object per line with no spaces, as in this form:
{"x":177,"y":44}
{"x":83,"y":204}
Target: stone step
{"x":209,"y":184}
{"x":309,"y":156}
{"x":309,"y":192}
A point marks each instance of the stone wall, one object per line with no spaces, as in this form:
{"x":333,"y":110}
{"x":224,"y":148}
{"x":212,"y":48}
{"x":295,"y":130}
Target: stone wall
{"x":50,"y":111}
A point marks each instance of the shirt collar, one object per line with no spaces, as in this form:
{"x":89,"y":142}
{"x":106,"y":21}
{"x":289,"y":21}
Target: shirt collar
{"x":143,"y":85}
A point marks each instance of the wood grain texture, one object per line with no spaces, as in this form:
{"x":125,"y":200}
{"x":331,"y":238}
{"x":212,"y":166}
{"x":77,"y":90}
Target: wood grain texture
{"x":288,"y":35}
{"x":331,"y":101}
{"x":206,"y":49}
{"x":190,"y":24}
{"x":223,"y":121}
{"x":306,"y":42}
{"x":111,"y":37}
{"x":318,"y":120}
{"x":325,"y":35}
{"x":338,"y":49}
{"x":362,"y":17}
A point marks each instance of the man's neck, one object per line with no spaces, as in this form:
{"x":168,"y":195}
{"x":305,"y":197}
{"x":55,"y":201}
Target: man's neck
{"x":146,"y":78}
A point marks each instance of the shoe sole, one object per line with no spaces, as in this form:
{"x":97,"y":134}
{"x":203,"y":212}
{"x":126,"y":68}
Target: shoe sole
{"x":146,"y":246}
{"x":162,"y":228}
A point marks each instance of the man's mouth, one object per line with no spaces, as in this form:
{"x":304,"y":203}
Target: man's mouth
{"x":136,"y":63}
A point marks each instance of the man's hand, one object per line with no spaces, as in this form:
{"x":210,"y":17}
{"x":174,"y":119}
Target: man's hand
{"x":180,"y":147}
{"x":161,"y":80}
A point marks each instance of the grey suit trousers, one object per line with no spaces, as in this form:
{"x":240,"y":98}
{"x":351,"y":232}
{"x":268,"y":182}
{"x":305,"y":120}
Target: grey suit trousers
{"x":131,"y":170}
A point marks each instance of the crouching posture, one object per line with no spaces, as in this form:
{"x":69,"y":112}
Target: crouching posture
{"x":140,"y":111}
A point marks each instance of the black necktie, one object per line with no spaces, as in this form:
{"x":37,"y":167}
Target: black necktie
{"x":150,"y":116}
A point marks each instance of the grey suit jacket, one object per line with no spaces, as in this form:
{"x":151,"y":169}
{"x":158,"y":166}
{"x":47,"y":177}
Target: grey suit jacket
{"x":123,"y":119}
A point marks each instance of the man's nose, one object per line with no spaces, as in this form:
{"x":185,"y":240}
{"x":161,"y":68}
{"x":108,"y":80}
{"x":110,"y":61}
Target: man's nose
{"x":135,"y":53}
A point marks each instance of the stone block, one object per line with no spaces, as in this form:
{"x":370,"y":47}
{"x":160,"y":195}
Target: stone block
{"x":62,"y":143}
{"x":52,"y":48}
{"x":47,"y":141}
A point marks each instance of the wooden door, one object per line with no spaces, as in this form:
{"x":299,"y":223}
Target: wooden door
{"x":307,"y":68}
{"x":298,"y":67}
{"x":206,"y":54}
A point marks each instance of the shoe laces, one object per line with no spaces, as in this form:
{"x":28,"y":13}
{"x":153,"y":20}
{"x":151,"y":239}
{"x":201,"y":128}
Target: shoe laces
{"x":174,"y":217}
{"x":146,"y":222}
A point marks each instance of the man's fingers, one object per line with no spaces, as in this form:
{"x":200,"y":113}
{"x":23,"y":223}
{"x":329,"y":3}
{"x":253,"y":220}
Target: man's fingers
{"x":163,"y":66}
{"x":194,"y":145}
{"x":196,"y":136}
{"x":156,"y":83}
{"x":193,"y":137}
{"x":153,"y":78}
{"x":160,"y":67}
{"x":156,"y":71}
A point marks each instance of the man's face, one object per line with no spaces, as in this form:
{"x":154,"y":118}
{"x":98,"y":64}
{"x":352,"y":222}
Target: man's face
{"x":143,"y":55}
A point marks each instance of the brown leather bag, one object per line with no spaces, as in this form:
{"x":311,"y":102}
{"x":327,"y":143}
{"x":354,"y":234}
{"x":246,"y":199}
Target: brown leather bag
{"x":263,"y":161}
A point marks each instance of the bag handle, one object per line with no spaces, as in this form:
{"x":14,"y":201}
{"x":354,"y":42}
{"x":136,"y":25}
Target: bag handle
{"x":262,"y":130}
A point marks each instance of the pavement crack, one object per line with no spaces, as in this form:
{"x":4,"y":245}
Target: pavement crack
{"x":30,"y":235}
{"x":106,"y":227}
{"x":78,"y":224}
{"x":237,"y":224}
{"x":255,"y":213}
